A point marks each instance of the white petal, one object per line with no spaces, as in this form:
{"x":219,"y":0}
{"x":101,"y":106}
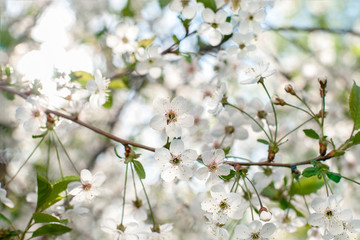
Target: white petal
{"x":207,"y":157}
{"x":178,"y":104}
{"x":242,"y":231}
{"x":175,"y":6}
{"x":176,"y":147}
{"x":214,"y":37}
{"x":91,"y":86}
{"x":158,"y":123}
{"x":208,"y":15}
{"x":316,"y":219}
{"x":226,"y":28}
{"x":86,"y":176}
{"x":335,"y":227}
{"x":186,"y":120}
{"x":220,"y":16}
{"x":155,"y":72}
{"x":259,"y":15}
{"x":161,"y":105}
{"x":173,"y":131}
{"x":189,"y":156}
{"x":203,"y":28}
{"x":168,"y":174}
{"x":184,"y":173}
{"x":189,"y":12}
{"x":74,"y":188}
{"x":202,"y":173}
{"x":162,"y":154}
{"x":267,"y":230}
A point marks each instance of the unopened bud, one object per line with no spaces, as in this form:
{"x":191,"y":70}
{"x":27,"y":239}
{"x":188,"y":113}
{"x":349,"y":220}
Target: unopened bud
{"x":322,"y":147}
{"x":265,"y":214}
{"x":289,"y":89}
{"x":237,"y":167}
{"x":278,"y":101}
{"x":322,"y":81}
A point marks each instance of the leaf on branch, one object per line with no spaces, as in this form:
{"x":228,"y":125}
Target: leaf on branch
{"x":334,"y":176}
{"x":109,"y":102}
{"x":354,"y":105}
{"x":208,"y":4}
{"x":163,"y":3}
{"x":128,"y":11}
{"x":5,"y":219}
{"x":81,"y":77}
{"x":230,"y":176}
{"x":263,"y":141}
{"x":227,"y":150}
{"x":306,"y":186}
{"x":139,"y":169}
{"x":311,"y":133}
{"x":117,"y":83}
{"x":356,"y":139}
{"x":44,"y":191}
{"x":310,"y":171}
{"x":51,"y":229}
{"x":44,"y":218}
{"x":146,"y":42}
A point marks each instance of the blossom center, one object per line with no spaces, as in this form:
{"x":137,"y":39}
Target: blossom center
{"x":36,"y":113}
{"x":262,"y":114}
{"x":223,"y":205}
{"x":86,"y":187}
{"x":171,"y":116}
{"x":175,"y":161}
{"x":212,"y":167}
{"x":214,"y":25}
{"x":255,"y":236}
{"x":229,"y":130}
{"x":125,"y":40}
{"x":242,"y":46}
{"x":251,"y":17}
{"x":329,"y":213}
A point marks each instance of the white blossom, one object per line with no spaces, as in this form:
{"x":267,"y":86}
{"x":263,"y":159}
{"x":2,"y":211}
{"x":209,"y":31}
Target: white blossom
{"x":7,"y":202}
{"x":149,"y":61}
{"x":187,"y":10}
{"x":287,"y":219}
{"x":98,"y":89}
{"x":124,"y":39}
{"x":255,"y":230}
{"x":255,"y":72}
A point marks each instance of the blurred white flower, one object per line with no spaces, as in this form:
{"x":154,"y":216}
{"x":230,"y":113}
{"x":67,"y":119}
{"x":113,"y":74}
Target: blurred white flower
{"x":329,"y":215}
{"x":149,"y":62}
{"x":171,"y":116}
{"x":215,"y":228}
{"x":255,"y":72}
{"x":250,"y":16}
{"x":128,"y":231}
{"x":187,"y":10}
{"x":255,"y":230}
{"x":287,"y":219}
{"x":224,"y":204}
{"x":243,"y":46}
{"x":89,"y":186}
{"x":7,"y":202}
{"x":213,"y":96}
{"x":98,"y":89}
{"x":32,"y":115}
{"x":177,"y":162}
{"x":124,"y":39}
{"x":215,"y":25}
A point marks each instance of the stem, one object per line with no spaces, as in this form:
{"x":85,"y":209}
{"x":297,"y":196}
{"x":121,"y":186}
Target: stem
{"x":33,"y":151}
{"x":249,"y":116}
{"x":299,"y":108}
{"x":261,"y":205}
{"x":66,"y":153}
{"x":322,"y":113}
{"x":273,"y":107}
{"x":307,"y":106}
{"x":133,"y":177}
{"x":326,"y":186}
{"x":351,"y":180}
{"x":296,"y":129}
{"x":26,"y":229}
{"x":248,"y":193}
{"x":246,"y":159}
{"x":123,"y":206}
{"x":148,"y":202}
{"x":306,"y":204}
{"x":58,"y":157}
{"x":48,"y":159}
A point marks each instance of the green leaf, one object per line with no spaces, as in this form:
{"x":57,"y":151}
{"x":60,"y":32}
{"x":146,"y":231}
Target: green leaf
{"x":51,"y":229}
{"x":306,"y":186}
{"x":334,"y":176}
{"x":271,"y":192}
{"x":128,"y":11}
{"x":117,"y":83}
{"x":139,"y":169}
{"x":81,"y":77}
{"x":5,"y":219}
{"x":263,"y":141}
{"x":39,"y":136}
{"x":208,"y":4}
{"x":9,"y":96}
{"x":227,"y":150}
{"x":44,"y":218}
{"x":311,"y":133}
{"x":164,"y":3}
{"x":310,"y":171}
{"x":230,"y":176}
{"x":146,"y":42}
{"x":356,"y":139}
{"x":176,"y":40}
{"x":109,"y":102}
{"x":44,"y":191}
{"x":354,"y":105}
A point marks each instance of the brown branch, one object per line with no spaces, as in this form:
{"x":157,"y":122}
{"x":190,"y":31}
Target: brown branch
{"x":76,"y":120}
{"x":315,"y":29}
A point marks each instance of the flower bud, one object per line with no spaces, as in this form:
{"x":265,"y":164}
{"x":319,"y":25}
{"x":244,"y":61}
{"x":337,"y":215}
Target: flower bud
{"x":289,"y":89}
{"x":265,"y":214}
{"x":322,"y":81}
{"x":278,"y":101}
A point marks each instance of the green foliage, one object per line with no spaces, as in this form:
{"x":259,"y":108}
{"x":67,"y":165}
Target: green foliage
{"x":81,"y":77}
{"x":354,"y":105}
{"x":263,"y":141}
{"x":227,"y":150}
{"x":9,"y":96}
{"x":230,"y":176}
{"x":6,"y":39}
{"x":208,"y":4}
{"x":139,"y":169}
{"x":48,"y":194}
{"x":109,"y":102}
{"x":310,"y":171}
{"x":117,"y":83}
{"x":306,"y":185}
{"x":334,"y":176}
{"x":164,"y":3}
{"x":356,"y":139}
{"x":311,"y":133}
{"x":128,"y":11}
{"x":51,"y":229}
{"x":5,"y":219}
{"x":45,"y":218}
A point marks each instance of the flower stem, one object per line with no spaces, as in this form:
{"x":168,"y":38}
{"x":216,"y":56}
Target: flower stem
{"x":257,"y":194}
{"x":148,"y":202}
{"x":58,"y":156}
{"x":302,"y":124}
{"x":273,"y":107}
{"x":133,"y":177}
{"x":249,"y":198}
{"x":123,"y":206}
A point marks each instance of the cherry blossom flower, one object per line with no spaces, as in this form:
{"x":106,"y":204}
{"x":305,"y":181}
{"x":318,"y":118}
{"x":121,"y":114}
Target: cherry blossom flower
{"x":263,"y":178}
{"x":171,"y":116}
{"x":89,"y":186}
{"x":128,"y":231}
{"x":215,"y":228}
{"x":215,"y":25}
{"x":149,"y":61}
{"x":164,"y":233}
{"x":287,"y":219}
{"x":124,"y":39}
{"x":215,"y":166}
{"x":4,"y":199}
{"x":329,"y":215}
{"x":98,"y":89}
{"x":352,"y":226}
{"x":223,"y":204}
{"x":250,"y":16}
{"x":254,"y":231}
{"x":213,"y":96}
{"x":176,"y":162}
{"x":261,"y":113}
{"x":187,"y":10}
{"x":255,"y":73}
{"x":244,"y":45}
{"x":31,"y":115}
{"x":230,"y":125}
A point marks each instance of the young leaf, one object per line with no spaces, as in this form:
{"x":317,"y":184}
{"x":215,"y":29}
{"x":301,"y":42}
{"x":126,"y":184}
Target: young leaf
{"x":5,"y":219}
{"x":310,"y":171}
{"x":263,"y":141}
{"x":306,"y":186}
{"x":230,"y":176}
{"x":209,"y":4}
{"x":44,"y":218}
{"x":81,"y":77}
{"x":227,"y":150}
{"x":334,"y":176}
{"x":163,"y":3}
{"x":109,"y":102}
{"x":117,"y":84}
{"x":51,"y":229}
{"x":311,"y":133}
{"x":44,"y":191}
{"x":354,"y":105}
{"x":356,"y":139}
{"x":139,"y":169}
